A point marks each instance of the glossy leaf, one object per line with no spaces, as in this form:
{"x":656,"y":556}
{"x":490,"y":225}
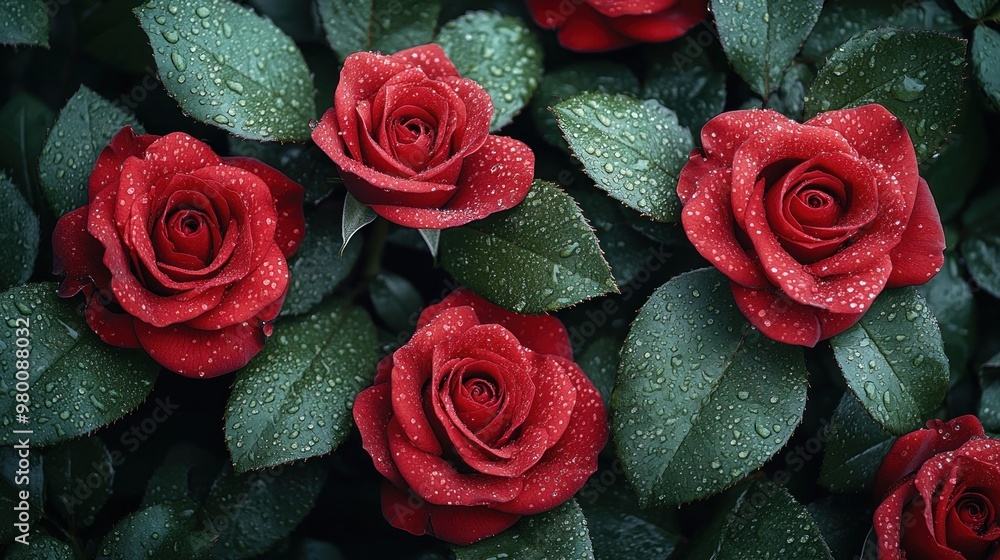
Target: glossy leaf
{"x":702,"y":398}
{"x":634,"y":150}
{"x":539,"y":256}
{"x":894,"y":361}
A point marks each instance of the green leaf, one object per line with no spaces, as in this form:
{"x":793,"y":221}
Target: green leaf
{"x":319,"y":266}
{"x":297,"y":18}
{"x":838,"y":518}
{"x":355,"y":217}
{"x":702,"y":398}
{"x":396,"y":301}
{"x":981,"y":242}
{"x":632,"y":149}
{"x":894,"y":361}
{"x":230,"y":68}
{"x":385,"y":26}
{"x":762,"y":37}
{"x":917,"y":75}
{"x":186,"y":473}
{"x":789,"y":99}
{"x":628,"y":252}
{"x":19,"y":238}
{"x":432,"y":238}
{"x":561,"y":84}
{"x":78,"y":383}
{"x":24,"y":123}
{"x":79,"y":474}
{"x":168,"y":530}
{"x":12,"y":484}
{"x":252,"y":512}
{"x":306,"y":165}
{"x":108,"y":32}
{"x":539,"y":256}
{"x":759,"y":520}
{"x":557,"y":534}
{"x":845,"y":19}
{"x":976,"y":9}
{"x":293,"y":400}
{"x":599,"y":360}
{"x":500,"y":53}
{"x":24,"y":22}
{"x":955,"y":173}
{"x":618,"y":528}
{"x":41,"y":547}
{"x":686,"y":79}
{"x":84,"y":127}
{"x":856,"y":445}
{"x":989,"y":404}
{"x":986,"y":62}
{"x":951,"y":300}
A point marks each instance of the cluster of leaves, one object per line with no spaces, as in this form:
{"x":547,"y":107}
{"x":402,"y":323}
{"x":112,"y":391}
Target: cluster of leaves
{"x":768,"y":449}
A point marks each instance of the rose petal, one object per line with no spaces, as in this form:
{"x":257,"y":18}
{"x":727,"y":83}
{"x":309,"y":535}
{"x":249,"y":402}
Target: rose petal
{"x":196,"y":353}
{"x":708,"y":223}
{"x":288,"y":199}
{"x":916,"y":448}
{"x":363,"y":74}
{"x":113,"y":328}
{"x":457,"y":525}
{"x":877,"y":135}
{"x":616,"y":8}
{"x":497,"y":177}
{"x":888,"y":522}
{"x":920,"y":253}
{"x":663,"y":26}
{"x":372,"y":187}
{"x":566,"y":466}
{"x":725,"y":133}
{"x":586,"y":30}
{"x":544,"y":334}
{"x":372,"y":411}
{"x":411,"y":369}
{"x":429,"y":58}
{"x":77,"y":253}
{"x":123,"y":145}
{"x":245,"y":299}
{"x":436,"y":480}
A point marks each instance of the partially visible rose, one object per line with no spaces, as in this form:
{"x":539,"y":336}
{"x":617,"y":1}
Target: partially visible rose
{"x":603,"y":25}
{"x":480,"y":418}
{"x":181,"y":252}
{"x":412,"y":140}
{"x":811,"y":221}
{"x":940,"y":494}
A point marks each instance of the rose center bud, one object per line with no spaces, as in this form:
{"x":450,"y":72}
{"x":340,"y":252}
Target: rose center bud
{"x":187,"y":236}
{"x":414,"y":140}
{"x":481,"y":390}
{"x":975,"y":511}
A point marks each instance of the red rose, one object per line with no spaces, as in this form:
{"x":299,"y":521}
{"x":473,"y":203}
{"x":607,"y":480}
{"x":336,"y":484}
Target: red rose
{"x":603,"y":25}
{"x":412,"y":140}
{"x":181,"y":252}
{"x":940,"y":491}
{"x":480,"y":418}
{"x":810,"y":221}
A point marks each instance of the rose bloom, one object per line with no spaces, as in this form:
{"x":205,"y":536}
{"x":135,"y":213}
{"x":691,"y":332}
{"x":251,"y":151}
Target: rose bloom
{"x":603,"y":25}
{"x":940,"y":492}
{"x":181,"y":252}
{"x":411,"y":139}
{"x":480,"y":418}
{"x":810,"y":221}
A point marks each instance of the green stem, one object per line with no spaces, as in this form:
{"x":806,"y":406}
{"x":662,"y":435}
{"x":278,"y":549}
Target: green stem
{"x":376,"y":248}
